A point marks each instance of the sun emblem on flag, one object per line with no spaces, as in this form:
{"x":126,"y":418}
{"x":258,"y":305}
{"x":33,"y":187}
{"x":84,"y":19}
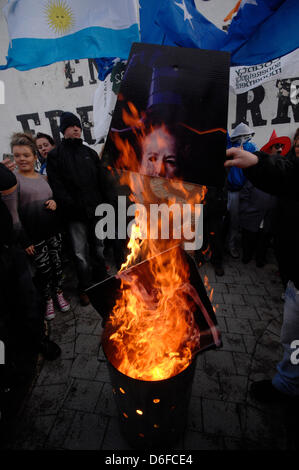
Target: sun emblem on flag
{"x":60,"y":17}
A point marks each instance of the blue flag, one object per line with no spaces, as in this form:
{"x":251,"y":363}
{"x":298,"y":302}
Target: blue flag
{"x":251,"y":14}
{"x":105,"y":66}
{"x":186,"y":27}
{"x":275,"y":37}
{"x":45,"y":32}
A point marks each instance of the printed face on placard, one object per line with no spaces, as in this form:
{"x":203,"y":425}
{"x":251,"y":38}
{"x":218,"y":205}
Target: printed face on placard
{"x":171,"y":115}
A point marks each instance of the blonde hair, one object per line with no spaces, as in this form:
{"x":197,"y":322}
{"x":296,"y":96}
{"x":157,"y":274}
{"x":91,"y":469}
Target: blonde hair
{"x":23,"y":138}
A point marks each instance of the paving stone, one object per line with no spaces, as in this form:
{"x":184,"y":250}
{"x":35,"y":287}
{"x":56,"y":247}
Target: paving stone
{"x":60,"y":429}
{"x":87,"y":344}
{"x":64,"y":334}
{"x":274,"y":327}
{"x":83,"y":395}
{"x":46,"y":399}
{"x":234,"y":388}
{"x":258,"y":327}
{"x":237,"y":325}
{"x":106,"y":403}
{"x":55,"y":372}
{"x":222,"y":324}
{"x":86,"y":325}
{"x":233,"y":299}
{"x":270,"y":352}
{"x":67,"y":350}
{"x":205,"y":385}
{"x":255,"y":300}
{"x":85,"y":366}
{"x":219,"y":362}
{"x":219,"y":287}
{"x":220,"y":418}
{"x":246,"y":311}
{"x":87,"y":432}
{"x":224,"y":310}
{"x":263,"y":427}
{"x":103,"y":372}
{"x":195,"y":414}
{"x":38,"y":427}
{"x":87,"y":311}
{"x":242,"y":363}
{"x":270,"y":313}
{"x":255,"y":289}
{"x":199,"y":441}
{"x":233,"y":342}
{"x":237,"y":289}
{"x":217,"y":298}
{"x":242,"y":279}
{"x":113,"y":439}
{"x":250,"y":343}
{"x":98,"y":330}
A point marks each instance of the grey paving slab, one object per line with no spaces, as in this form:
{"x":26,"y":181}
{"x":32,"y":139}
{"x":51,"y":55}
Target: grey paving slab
{"x":221,"y":418}
{"x":85,"y":366}
{"x":71,"y":405}
{"x":83,"y":395}
{"x":200,"y":441}
{"x":87,"y":432}
{"x":59,"y":430}
{"x":219,"y":362}
{"x":87,"y":344}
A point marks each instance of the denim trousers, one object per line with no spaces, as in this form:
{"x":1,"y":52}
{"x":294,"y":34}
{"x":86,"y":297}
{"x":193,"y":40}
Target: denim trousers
{"x":88,"y":253}
{"x":286,"y":379}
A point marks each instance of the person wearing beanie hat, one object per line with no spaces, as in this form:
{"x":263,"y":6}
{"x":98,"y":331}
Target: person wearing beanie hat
{"x":68,"y":119}
{"x":76,"y":177}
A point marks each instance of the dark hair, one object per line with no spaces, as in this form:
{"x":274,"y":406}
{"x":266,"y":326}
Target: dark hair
{"x":23,"y":138}
{"x":41,"y":135}
{"x":296,"y":136}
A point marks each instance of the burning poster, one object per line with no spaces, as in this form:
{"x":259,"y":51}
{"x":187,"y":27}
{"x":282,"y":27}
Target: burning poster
{"x":172,"y":113}
{"x":169,"y":127}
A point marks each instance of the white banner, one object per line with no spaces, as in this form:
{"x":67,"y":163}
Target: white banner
{"x":104,"y":101}
{"x":246,"y":77}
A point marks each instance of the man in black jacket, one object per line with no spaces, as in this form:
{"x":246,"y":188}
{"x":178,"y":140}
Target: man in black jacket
{"x":76,"y":177}
{"x":277,"y":175}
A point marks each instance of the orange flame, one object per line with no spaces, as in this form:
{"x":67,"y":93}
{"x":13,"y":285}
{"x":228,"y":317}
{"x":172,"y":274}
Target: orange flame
{"x":151,"y":333}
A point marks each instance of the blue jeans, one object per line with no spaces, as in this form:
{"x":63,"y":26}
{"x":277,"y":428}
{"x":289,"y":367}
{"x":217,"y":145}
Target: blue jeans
{"x":88,"y":253}
{"x":287,"y":378}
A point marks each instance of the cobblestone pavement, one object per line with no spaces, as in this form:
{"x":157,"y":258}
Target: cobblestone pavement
{"x":71,"y":405}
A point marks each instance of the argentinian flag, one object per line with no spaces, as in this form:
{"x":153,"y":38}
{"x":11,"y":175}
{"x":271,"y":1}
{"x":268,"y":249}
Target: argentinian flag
{"x":46,"y":31}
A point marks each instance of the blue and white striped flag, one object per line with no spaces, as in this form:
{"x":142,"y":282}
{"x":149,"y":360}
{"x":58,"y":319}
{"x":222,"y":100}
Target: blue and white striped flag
{"x":46,"y":31}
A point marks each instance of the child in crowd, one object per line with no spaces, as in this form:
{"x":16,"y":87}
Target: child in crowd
{"x":36,"y":224}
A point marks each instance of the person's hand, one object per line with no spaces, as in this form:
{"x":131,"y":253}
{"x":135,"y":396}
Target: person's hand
{"x":30,"y":250}
{"x":9,"y":164}
{"x":240,"y":158}
{"x":51,"y":205}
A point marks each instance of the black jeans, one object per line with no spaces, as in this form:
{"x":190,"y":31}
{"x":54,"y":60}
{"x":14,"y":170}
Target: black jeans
{"x":88,"y":253}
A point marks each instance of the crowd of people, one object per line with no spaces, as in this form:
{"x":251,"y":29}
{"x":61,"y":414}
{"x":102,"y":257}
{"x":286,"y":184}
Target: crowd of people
{"x":49,"y":194}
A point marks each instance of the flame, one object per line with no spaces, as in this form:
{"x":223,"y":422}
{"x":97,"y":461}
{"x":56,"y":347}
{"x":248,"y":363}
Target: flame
{"x":151,"y":333}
